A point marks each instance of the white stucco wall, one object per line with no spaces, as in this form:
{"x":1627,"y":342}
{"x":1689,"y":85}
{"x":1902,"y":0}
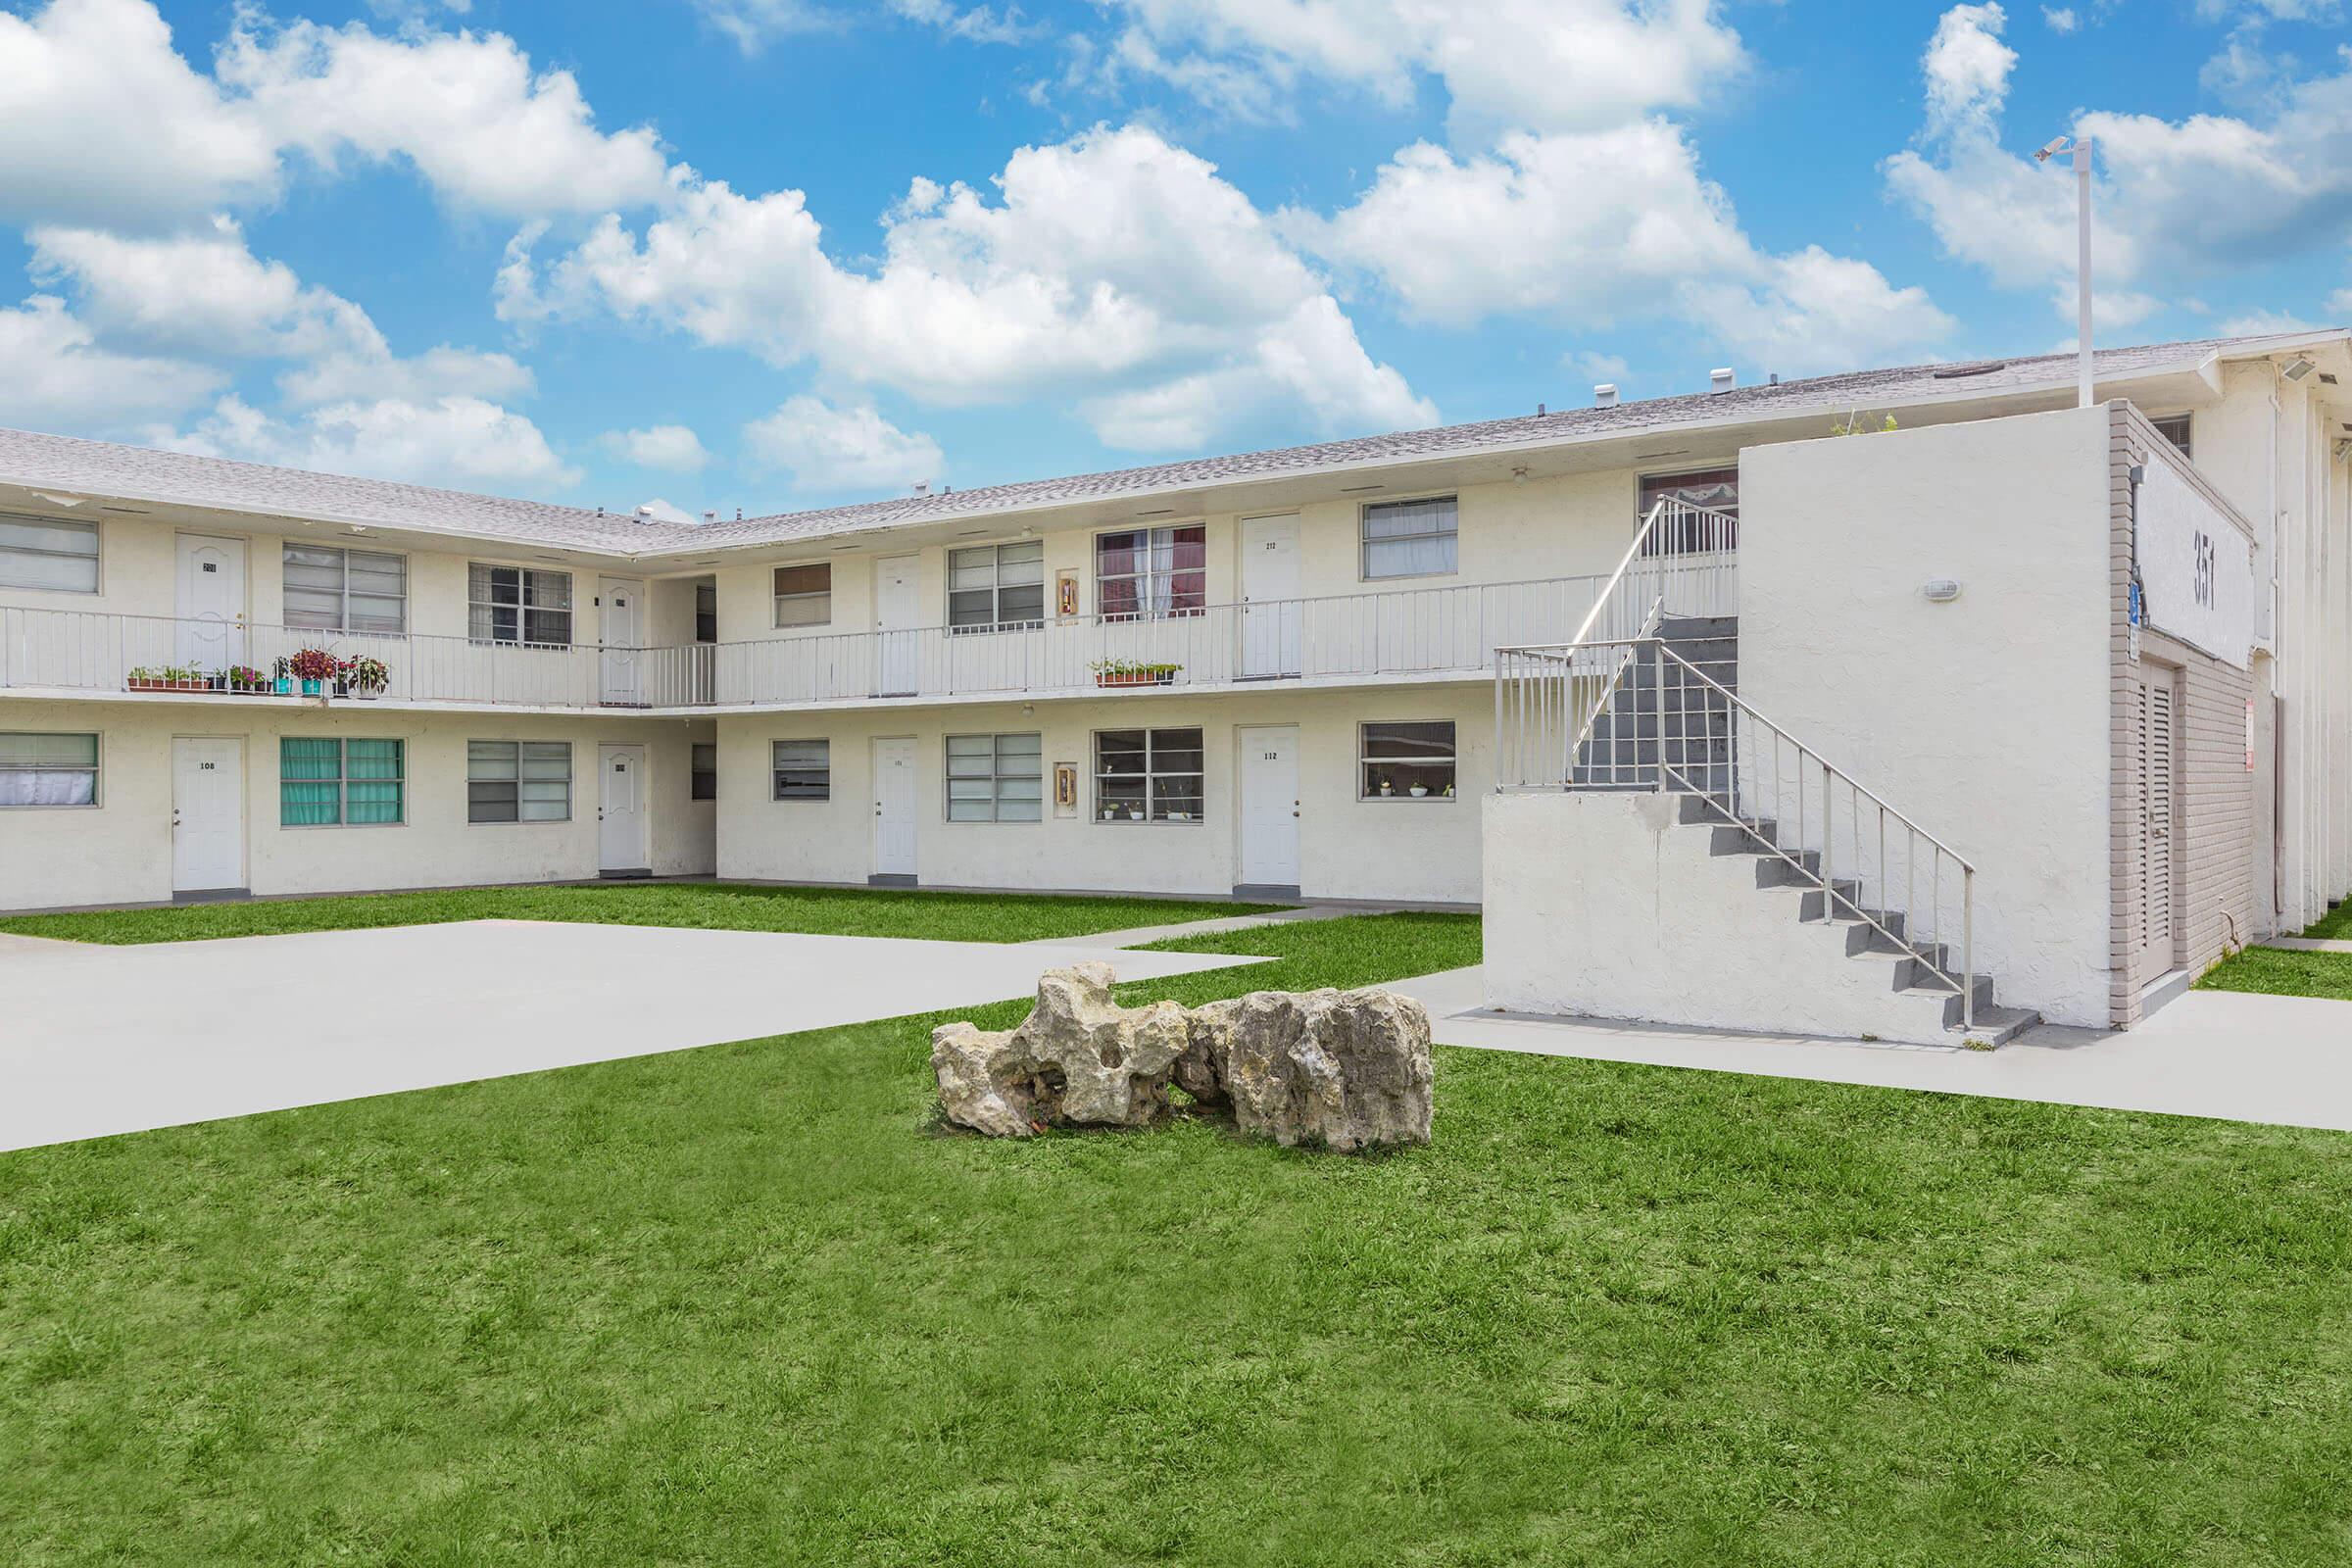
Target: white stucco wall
{"x":121,"y":849}
{"x":1421,"y":851}
{"x":1985,"y":721}
{"x":2196,"y":567}
{"x":1608,"y":907}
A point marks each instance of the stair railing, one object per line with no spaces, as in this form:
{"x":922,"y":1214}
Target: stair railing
{"x":1683,"y":560}
{"x":1713,"y":745}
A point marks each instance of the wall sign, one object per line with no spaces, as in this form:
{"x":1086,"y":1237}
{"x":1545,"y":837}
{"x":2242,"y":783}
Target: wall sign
{"x":1065,"y":789}
{"x":2196,"y":570}
{"x":1065,"y":594}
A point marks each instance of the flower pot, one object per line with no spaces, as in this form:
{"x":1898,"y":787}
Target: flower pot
{"x":309,"y":688}
{"x":342,"y":688}
{"x":1417,"y":791}
{"x":143,"y":683}
{"x":283,"y":686}
{"x":1133,"y":677}
{"x":367,"y":694}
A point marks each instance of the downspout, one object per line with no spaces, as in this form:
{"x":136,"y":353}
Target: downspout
{"x":2277,"y":700}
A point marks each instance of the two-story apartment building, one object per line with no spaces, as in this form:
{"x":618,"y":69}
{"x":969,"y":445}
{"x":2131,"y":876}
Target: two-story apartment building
{"x":1271,"y":670}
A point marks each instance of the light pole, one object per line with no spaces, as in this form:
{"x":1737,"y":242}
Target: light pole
{"x":2082,"y":156}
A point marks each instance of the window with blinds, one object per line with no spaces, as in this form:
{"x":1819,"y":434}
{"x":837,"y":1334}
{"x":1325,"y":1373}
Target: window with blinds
{"x":804,"y":769}
{"x":1410,"y":538}
{"x":519,"y":781}
{"x":50,"y":554}
{"x":518,"y":605}
{"x":996,"y":587}
{"x":340,"y":783}
{"x":37,"y":768}
{"x":995,"y":778}
{"x":346,"y":590}
{"x":805,"y":595}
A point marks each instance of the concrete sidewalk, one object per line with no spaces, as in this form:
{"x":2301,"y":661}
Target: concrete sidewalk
{"x":2286,"y":1060}
{"x":97,"y":1040}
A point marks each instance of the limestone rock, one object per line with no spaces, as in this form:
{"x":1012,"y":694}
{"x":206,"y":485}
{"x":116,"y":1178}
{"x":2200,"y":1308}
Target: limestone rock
{"x":1080,"y":1058}
{"x":1348,"y":1069}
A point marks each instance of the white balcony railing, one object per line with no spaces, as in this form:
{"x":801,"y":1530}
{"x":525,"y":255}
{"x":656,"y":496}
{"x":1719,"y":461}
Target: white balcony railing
{"x":1419,"y":631}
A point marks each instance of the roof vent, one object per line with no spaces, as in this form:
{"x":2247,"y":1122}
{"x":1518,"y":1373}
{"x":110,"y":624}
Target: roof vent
{"x":923,"y":488}
{"x":710,"y":516}
{"x":646,"y":513}
{"x":1604,"y":395}
{"x":1955,"y":372}
{"x":1722,"y":380}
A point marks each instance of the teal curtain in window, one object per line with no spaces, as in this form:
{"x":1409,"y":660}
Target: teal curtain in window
{"x":309,"y":787}
{"x":374,"y":787}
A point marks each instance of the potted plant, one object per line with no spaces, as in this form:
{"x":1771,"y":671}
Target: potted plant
{"x":1131,"y":673}
{"x":1418,"y":791}
{"x":143,"y":679}
{"x":314,"y":667}
{"x":282,"y":675}
{"x":245,"y":679}
{"x":367,"y":676}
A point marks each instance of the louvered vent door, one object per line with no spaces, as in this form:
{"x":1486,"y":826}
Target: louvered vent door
{"x":2154,"y":748}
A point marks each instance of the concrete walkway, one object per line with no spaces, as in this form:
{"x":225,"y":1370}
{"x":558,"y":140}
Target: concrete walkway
{"x":97,"y":1040}
{"x":2286,"y":1060}
{"x":1137,"y":936}
{"x":2309,"y":943}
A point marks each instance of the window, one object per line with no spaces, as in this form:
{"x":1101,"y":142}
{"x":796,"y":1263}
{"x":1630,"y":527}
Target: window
{"x":37,"y":769}
{"x":1716,"y":489}
{"x":1148,"y":775}
{"x":45,"y":552}
{"x":995,"y":778}
{"x":518,"y":604}
{"x":1405,"y":762}
{"x":805,"y":595}
{"x":703,"y":769}
{"x":996,"y":587}
{"x":519,"y":781}
{"x":1410,"y":538}
{"x":2174,"y":428}
{"x":706,"y":611}
{"x":333,"y":783}
{"x":346,"y":590}
{"x":804,"y":769}
{"x":1152,"y":571}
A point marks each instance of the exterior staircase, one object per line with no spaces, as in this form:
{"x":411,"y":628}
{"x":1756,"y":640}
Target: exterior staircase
{"x":1663,"y":728}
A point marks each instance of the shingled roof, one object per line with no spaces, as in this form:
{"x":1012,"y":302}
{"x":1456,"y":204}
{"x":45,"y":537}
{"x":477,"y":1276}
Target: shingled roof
{"x":70,"y":465}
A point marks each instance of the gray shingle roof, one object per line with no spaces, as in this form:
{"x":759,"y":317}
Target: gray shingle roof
{"x":67,"y":463}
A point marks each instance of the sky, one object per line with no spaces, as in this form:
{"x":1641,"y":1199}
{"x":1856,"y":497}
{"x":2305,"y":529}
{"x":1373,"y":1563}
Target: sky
{"x":710,"y":255}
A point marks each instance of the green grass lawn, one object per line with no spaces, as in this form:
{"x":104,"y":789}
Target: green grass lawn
{"x":2335,"y":923}
{"x":2284,"y":972}
{"x":741,"y":1305}
{"x":833,"y":911}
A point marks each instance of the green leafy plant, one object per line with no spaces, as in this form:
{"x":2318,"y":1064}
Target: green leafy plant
{"x":311,"y":663}
{"x":367,"y":673}
{"x":1853,"y":425}
{"x":1133,"y":672}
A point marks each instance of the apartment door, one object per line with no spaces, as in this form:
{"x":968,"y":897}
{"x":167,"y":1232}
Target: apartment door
{"x":894,"y":810}
{"x":210,"y":602}
{"x":620,"y":833}
{"x":1269,"y":806}
{"x":208,"y":814}
{"x":2155,"y":759}
{"x":898,"y":613}
{"x":621,"y":609}
{"x":1271,"y":610}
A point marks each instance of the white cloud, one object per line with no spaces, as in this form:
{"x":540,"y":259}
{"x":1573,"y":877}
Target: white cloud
{"x":1111,"y":267}
{"x":756,"y":24}
{"x":57,"y":377}
{"x":662,"y":445}
{"x":2339,"y":304}
{"x":458,"y":441}
{"x":2061,"y":18}
{"x":1597,"y":228}
{"x":2172,"y":200}
{"x":464,"y":109}
{"x":101,"y":120}
{"x":1532,"y":64}
{"x":2266,"y":324}
{"x":826,"y":447}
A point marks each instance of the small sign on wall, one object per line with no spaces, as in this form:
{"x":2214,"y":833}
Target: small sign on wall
{"x":1065,"y":789}
{"x":1065,"y":594}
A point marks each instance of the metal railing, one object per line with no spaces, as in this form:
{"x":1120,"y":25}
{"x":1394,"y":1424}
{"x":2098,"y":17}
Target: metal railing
{"x":1684,"y":732}
{"x":1399,"y":632}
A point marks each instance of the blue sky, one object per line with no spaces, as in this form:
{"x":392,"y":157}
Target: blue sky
{"x":767,"y":254}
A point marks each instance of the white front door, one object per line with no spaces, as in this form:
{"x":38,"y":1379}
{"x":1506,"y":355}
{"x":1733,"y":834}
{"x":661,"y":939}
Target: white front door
{"x":208,"y":814}
{"x":620,"y":605}
{"x":897,"y":611}
{"x":210,"y":602}
{"x":1269,"y":806}
{"x":894,"y":807}
{"x":621,"y":808}
{"x":1272,"y":609}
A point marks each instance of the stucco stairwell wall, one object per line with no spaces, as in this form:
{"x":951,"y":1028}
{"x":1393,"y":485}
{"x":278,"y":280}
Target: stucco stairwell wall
{"x":1984,"y":719}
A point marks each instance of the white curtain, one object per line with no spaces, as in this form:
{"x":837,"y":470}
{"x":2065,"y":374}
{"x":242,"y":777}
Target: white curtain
{"x":22,"y":787}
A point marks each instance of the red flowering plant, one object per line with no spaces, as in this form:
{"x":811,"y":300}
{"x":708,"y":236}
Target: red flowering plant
{"x":313,"y":664}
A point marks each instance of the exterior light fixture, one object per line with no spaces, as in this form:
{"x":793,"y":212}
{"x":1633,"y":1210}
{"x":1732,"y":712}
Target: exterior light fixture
{"x":2082,"y":157}
{"x":1940,"y":590}
{"x":2298,"y":367}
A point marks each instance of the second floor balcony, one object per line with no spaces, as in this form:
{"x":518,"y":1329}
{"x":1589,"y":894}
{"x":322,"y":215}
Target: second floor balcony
{"x":1402,"y":635}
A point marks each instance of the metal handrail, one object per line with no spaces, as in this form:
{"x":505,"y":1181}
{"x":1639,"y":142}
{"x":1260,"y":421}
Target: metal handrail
{"x":1738,"y":775}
